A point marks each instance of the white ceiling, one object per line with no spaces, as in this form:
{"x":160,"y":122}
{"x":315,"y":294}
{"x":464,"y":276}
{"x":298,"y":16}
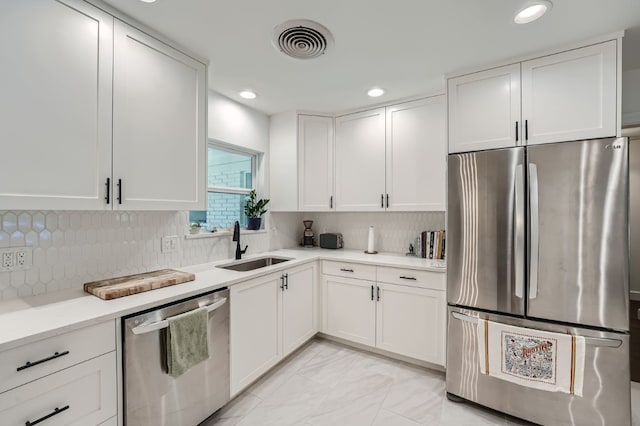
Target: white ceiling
{"x":404,"y":46}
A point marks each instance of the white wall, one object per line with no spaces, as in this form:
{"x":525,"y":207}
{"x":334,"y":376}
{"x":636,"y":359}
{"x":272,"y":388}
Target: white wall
{"x":393,"y":231}
{"x":631,"y":97}
{"x":233,"y":123}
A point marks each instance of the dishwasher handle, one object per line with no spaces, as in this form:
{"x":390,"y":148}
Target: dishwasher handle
{"x":159,"y":325}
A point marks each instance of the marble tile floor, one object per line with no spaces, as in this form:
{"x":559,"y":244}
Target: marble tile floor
{"x":326,"y":383}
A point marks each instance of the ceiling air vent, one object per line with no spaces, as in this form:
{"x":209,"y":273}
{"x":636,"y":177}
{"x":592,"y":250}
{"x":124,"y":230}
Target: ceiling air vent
{"x":302,"y":39}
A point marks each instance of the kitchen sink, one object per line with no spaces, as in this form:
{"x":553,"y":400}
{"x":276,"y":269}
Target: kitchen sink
{"x":250,"y":265}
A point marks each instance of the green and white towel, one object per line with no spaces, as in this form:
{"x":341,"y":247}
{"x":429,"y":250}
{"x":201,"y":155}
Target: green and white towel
{"x":187,"y":341}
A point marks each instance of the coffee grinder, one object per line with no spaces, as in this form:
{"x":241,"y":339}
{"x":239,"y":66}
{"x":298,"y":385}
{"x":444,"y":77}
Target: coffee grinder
{"x":307,"y":238}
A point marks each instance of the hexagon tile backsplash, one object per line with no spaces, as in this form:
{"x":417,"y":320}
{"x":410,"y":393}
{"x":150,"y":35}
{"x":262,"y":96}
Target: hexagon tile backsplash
{"x":71,"y":248}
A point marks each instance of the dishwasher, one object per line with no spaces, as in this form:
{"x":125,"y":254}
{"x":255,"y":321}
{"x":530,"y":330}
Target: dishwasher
{"x":154,"y":398}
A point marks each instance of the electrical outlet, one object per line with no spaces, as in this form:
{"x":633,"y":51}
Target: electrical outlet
{"x":7,"y":260}
{"x":16,"y":259}
{"x":169,"y":244}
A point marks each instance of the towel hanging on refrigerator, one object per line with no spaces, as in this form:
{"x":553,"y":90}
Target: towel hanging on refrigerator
{"x":553,"y":362}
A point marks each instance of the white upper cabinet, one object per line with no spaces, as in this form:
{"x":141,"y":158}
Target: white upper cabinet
{"x":315,"y":163}
{"x":484,"y":108}
{"x":416,"y":155}
{"x":566,"y":96}
{"x":360,"y":161}
{"x":55,"y":107}
{"x":159,"y":125}
{"x":571,"y":95}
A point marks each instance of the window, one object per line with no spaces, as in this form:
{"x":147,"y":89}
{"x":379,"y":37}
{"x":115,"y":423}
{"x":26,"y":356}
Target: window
{"x":230,"y":178}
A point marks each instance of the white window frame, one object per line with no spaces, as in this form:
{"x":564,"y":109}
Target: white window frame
{"x":235,"y":150}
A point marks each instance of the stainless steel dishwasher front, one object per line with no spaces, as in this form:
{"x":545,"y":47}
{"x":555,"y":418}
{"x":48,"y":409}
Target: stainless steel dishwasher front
{"x":154,"y":398}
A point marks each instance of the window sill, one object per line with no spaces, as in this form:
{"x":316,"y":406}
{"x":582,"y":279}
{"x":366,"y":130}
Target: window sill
{"x":222,"y":234}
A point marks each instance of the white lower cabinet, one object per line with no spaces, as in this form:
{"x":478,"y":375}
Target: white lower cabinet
{"x":408,"y":320}
{"x":349,"y":309}
{"x":82,"y":395}
{"x":298,"y":309}
{"x":270,"y":317}
{"x":254,"y":332}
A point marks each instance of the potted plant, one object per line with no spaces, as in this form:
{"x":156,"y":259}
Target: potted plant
{"x":254,"y":209}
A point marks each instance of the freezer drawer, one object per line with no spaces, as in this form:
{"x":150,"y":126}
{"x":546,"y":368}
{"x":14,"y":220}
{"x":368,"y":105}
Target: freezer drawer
{"x":486,"y":230}
{"x":606,"y":396}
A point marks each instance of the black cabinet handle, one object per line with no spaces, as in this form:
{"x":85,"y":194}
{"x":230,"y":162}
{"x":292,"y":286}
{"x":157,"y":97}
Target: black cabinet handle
{"x":43,"y":418}
{"x":282,"y":282}
{"x":387,"y":200}
{"x":108,"y":196}
{"x":331,"y":202}
{"x":526,"y":130}
{"x":408,"y":278}
{"x":119,"y":191}
{"x":382,"y":201}
{"x":346,"y":270}
{"x":31,"y":364}
{"x":516,"y":131}
{"x":286,"y":281}
{"x":378,"y":293}
{"x":372,"y":292}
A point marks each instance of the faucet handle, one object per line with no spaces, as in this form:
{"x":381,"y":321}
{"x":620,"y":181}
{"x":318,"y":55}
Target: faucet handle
{"x":245,"y":250}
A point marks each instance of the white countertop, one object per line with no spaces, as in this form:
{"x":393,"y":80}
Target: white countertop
{"x":37,"y":317}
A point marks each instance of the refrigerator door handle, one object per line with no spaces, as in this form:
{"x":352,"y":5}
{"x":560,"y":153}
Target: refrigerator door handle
{"x":534,"y":226}
{"x":592,"y":341}
{"x":518,"y":231}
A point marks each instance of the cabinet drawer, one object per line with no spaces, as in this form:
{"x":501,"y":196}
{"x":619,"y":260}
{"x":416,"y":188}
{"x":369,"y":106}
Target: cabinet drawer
{"x":412,"y":277}
{"x":84,"y":394}
{"x":34,"y":360}
{"x":349,"y":270}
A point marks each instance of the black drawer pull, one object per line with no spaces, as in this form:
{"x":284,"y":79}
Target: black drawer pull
{"x":346,"y":270}
{"x":42,"y":419}
{"x":31,"y":364}
{"x":371,"y":292}
{"x":408,"y":278}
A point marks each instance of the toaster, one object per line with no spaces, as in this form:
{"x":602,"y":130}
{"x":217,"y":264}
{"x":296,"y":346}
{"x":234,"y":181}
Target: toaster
{"x":331,"y":241}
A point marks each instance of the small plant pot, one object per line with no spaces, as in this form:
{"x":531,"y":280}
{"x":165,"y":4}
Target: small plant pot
{"x":253,"y":223}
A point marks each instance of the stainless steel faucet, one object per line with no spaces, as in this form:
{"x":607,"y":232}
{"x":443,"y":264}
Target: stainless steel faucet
{"x":236,"y":237}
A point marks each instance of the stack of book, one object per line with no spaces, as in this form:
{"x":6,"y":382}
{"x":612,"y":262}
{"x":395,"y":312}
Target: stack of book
{"x":432,"y":244}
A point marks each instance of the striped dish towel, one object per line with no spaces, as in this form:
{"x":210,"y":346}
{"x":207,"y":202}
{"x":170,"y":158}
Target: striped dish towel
{"x":553,"y":362}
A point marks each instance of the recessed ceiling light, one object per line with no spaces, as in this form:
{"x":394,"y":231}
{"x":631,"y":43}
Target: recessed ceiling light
{"x":532,"y":12}
{"x":148,"y":1}
{"x":375,"y":92}
{"x":248,"y":94}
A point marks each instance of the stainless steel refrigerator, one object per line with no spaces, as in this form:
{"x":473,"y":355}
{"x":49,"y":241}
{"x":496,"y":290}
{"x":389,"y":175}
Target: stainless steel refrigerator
{"x":538,"y":237}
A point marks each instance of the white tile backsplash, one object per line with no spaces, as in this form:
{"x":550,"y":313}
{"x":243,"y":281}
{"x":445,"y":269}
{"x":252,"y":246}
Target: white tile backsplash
{"x":71,"y":248}
{"x":393,"y":231}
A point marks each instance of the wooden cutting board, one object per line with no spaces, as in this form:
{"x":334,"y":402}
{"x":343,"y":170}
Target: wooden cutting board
{"x":132,"y":284}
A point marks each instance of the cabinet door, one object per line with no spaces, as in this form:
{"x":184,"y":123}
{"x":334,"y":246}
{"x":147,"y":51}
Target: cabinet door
{"x":55,"y":107}
{"x":360,"y":161}
{"x":159,"y":119}
{"x":315,"y":163}
{"x":349,"y":309}
{"x":416,"y":155}
{"x":483,"y":109}
{"x":571,"y":95}
{"x":298,"y":309}
{"x":411,"y":322}
{"x":254,"y":334}
{"x":85,"y":394}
